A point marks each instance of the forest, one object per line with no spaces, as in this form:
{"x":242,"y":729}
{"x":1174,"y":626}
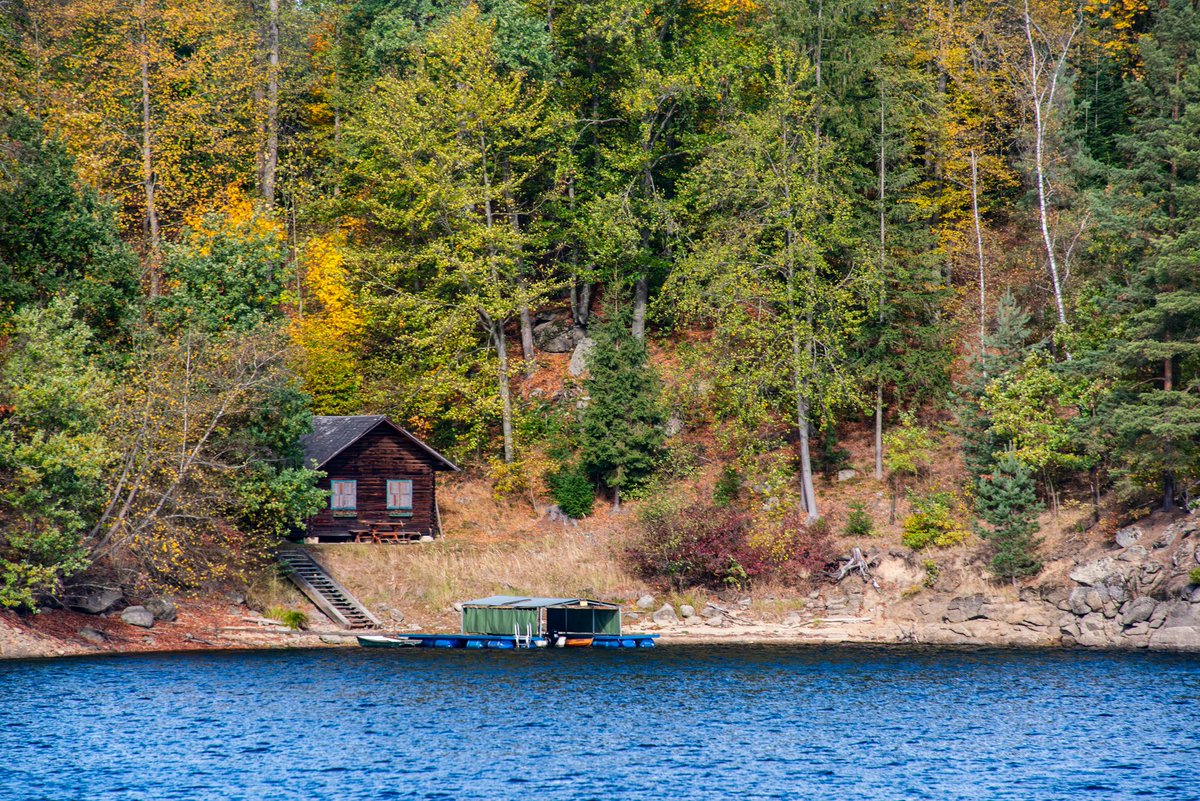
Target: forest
{"x":771,"y":221}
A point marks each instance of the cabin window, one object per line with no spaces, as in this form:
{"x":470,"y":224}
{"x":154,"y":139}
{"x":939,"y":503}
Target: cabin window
{"x":399,"y":497}
{"x":343,"y":498}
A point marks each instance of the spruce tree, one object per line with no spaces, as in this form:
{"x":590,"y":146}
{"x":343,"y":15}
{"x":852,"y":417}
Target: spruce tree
{"x":1155,"y":352}
{"x":622,"y":423}
{"x":1007,"y":501}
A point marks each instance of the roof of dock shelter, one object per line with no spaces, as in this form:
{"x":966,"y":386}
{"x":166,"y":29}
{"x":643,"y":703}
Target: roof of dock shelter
{"x":520,"y":602}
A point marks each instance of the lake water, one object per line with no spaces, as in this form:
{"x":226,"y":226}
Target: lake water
{"x":676,"y":722}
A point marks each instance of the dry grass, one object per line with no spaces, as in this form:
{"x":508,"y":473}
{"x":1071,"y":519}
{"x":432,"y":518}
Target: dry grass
{"x":429,"y":577}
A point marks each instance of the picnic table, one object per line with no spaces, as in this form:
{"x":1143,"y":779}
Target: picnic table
{"x":384,"y":531}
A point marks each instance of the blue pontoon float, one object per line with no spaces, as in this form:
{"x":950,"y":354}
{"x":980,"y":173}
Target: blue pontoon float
{"x":510,"y":621}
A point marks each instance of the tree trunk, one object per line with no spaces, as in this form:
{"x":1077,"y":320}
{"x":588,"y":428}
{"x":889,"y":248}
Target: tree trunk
{"x":979,"y":254}
{"x":879,"y":430}
{"x":1168,"y":504}
{"x":1042,"y":101}
{"x":271,"y":153}
{"x":807,"y":488}
{"x":882,"y":285}
{"x":506,"y":419}
{"x":527,"y":341}
{"x":641,"y":294}
{"x":153,"y":242}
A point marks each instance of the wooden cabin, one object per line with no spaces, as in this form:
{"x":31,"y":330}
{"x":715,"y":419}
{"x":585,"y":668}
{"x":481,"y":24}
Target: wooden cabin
{"x":380,"y":479}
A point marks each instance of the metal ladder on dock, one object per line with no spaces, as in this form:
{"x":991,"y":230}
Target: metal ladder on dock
{"x":319,"y":587}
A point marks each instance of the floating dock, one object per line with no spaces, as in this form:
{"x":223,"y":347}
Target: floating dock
{"x":502,"y":642}
{"x":505,"y":622}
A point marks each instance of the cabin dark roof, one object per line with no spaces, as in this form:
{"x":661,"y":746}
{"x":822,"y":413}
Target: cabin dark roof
{"x":519,"y":602}
{"x":332,"y":435}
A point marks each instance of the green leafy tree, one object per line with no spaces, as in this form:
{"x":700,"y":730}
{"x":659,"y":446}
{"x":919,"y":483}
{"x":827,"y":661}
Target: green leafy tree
{"x":770,"y":268}
{"x":54,"y":457}
{"x":621,"y":430}
{"x":443,"y":161}
{"x":1007,"y":501}
{"x":57,"y":236}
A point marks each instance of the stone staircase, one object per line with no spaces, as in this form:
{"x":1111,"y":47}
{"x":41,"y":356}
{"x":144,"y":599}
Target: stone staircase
{"x":319,"y":587}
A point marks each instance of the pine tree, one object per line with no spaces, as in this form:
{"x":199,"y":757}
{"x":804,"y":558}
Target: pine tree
{"x":1007,"y":501}
{"x":622,"y":424}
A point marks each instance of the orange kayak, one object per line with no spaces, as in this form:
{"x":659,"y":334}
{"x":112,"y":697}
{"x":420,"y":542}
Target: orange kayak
{"x":579,"y":642}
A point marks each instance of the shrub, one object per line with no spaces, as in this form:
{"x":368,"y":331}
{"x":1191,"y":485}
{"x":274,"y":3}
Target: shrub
{"x":294,"y":619}
{"x":718,"y":546}
{"x":572,"y":491}
{"x":729,"y":486}
{"x":932,"y":571}
{"x":1194,"y":576}
{"x":859,"y":523}
{"x":933,"y":522}
{"x":703,"y":546}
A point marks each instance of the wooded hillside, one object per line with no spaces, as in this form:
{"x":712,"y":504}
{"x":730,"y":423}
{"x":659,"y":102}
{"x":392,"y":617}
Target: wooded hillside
{"x":971,"y":225}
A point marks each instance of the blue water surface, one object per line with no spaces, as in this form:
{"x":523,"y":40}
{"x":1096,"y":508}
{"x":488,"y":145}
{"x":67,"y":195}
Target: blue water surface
{"x":676,"y":722}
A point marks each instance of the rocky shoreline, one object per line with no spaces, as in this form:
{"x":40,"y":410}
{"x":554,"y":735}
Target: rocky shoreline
{"x":1134,"y":592}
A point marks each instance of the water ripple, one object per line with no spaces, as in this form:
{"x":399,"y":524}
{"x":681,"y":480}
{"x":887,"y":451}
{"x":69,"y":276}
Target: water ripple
{"x":676,"y":722}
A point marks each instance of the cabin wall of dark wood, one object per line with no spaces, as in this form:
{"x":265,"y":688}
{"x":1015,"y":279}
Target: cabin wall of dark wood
{"x":373,"y":460}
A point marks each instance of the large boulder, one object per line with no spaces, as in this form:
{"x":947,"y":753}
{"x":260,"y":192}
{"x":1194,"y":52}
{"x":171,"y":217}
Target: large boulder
{"x":665,"y":614}
{"x":645,"y":602}
{"x":966,"y":608}
{"x":162,"y":608}
{"x":687,"y":610}
{"x":1093,"y":573}
{"x":1128,"y":536}
{"x":578,"y":363}
{"x":1137,"y":611}
{"x":94,"y":601}
{"x":138,"y":616}
{"x":556,"y":337}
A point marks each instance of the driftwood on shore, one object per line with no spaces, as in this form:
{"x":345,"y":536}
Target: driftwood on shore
{"x":856,"y":562}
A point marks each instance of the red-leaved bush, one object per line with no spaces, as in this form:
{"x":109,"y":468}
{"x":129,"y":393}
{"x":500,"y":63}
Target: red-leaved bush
{"x":712,"y":546}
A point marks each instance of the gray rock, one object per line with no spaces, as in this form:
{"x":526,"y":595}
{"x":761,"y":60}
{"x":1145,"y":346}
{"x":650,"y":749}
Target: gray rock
{"x":1176,"y":638}
{"x":1078,"y":601}
{"x":337,"y":639}
{"x":1163,"y":540}
{"x":673,"y":426}
{"x":556,"y":337}
{"x":555,"y":514}
{"x":969,"y":607}
{"x":1116,"y":592}
{"x":665,"y":614}
{"x":93,"y":636}
{"x":1182,"y":614}
{"x":745,"y":603}
{"x":236,"y":598}
{"x":710,"y":611}
{"x":138,"y":616}
{"x":162,"y":608}
{"x":457,"y":606}
{"x":716,"y":622}
{"x":95,"y":601}
{"x":1128,"y":536}
{"x":426,"y":538}
{"x":687,"y":610}
{"x":1159,"y":615}
{"x":793,"y":619}
{"x":847,"y":474}
{"x":645,"y":602}
{"x":1134,"y":553}
{"x":578,"y":363}
{"x":1095,"y":572}
{"x":1137,"y":611}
